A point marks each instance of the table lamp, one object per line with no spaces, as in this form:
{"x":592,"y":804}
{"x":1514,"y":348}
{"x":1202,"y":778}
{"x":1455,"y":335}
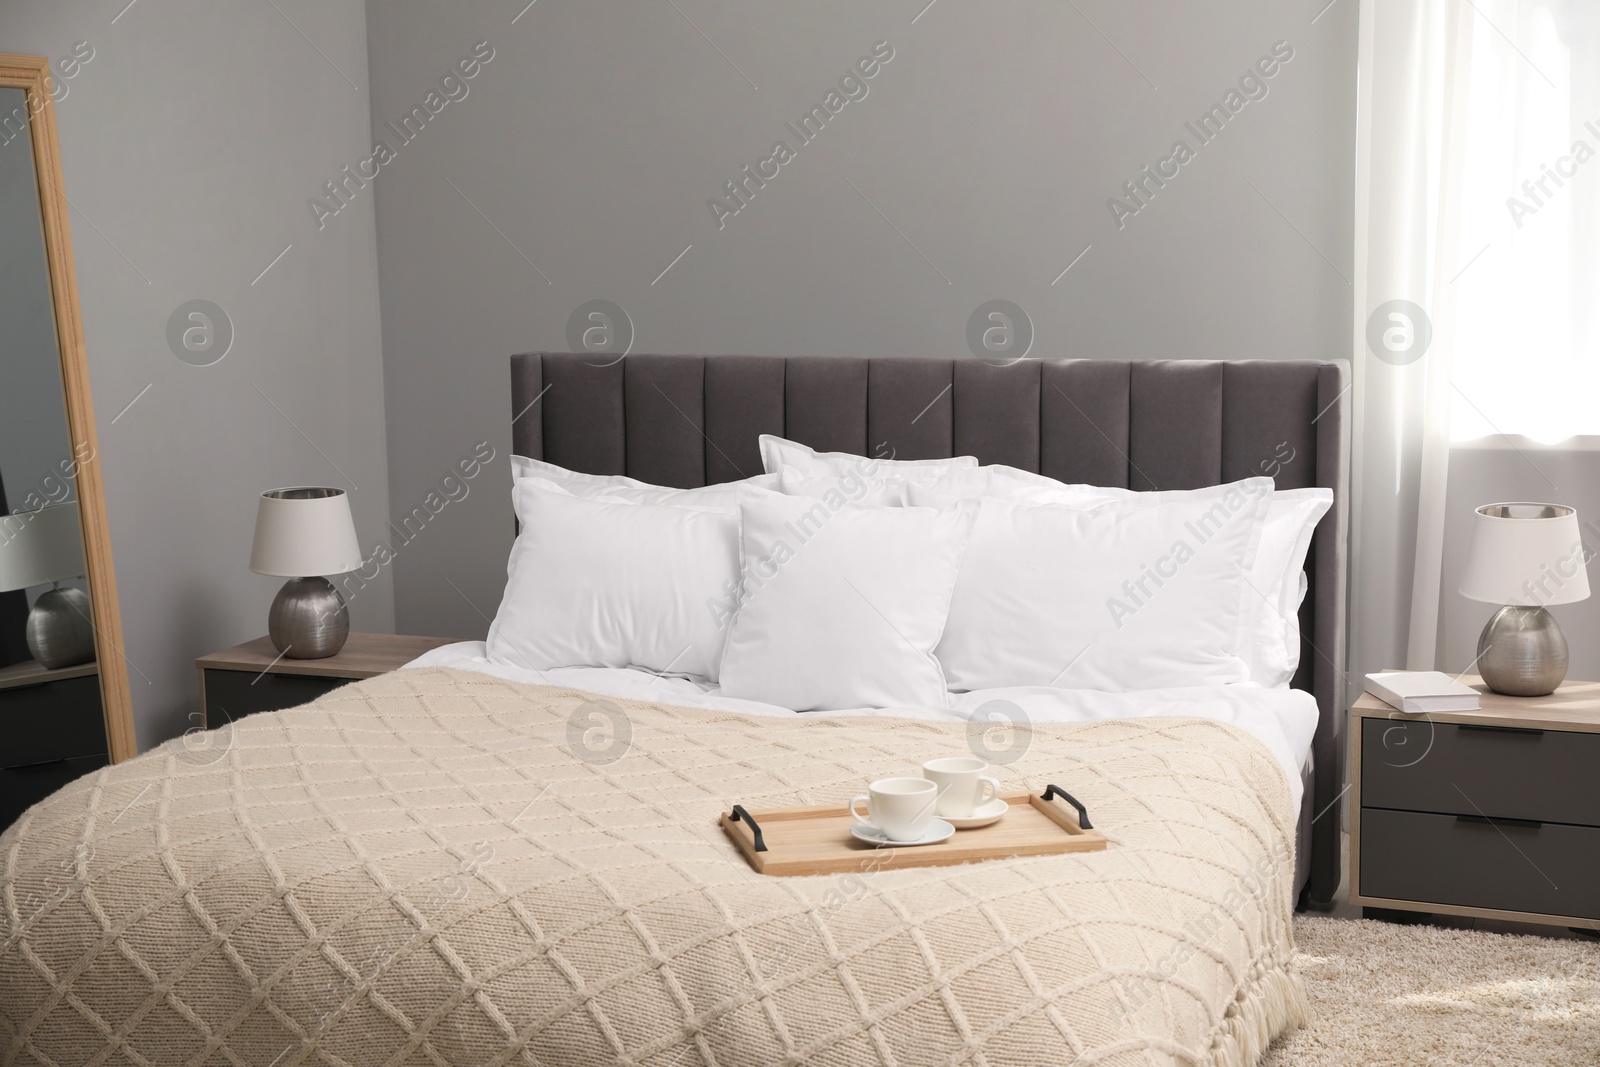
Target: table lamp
{"x":43,"y":548}
{"x":1525,"y":557}
{"x":304,"y":533}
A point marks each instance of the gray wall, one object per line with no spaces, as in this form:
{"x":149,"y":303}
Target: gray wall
{"x":589,"y":145}
{"x":191,"y":143}
{"x":978,"y":166}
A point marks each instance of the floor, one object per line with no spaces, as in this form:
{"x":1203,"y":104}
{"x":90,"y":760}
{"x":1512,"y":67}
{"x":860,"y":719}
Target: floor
{"x":1441,"y":990}
{"x":1387,"y":994}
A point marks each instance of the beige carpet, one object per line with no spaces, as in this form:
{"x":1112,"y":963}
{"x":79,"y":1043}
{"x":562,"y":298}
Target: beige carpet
{"x":1423,"y":995}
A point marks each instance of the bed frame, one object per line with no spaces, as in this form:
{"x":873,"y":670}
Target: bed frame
{"x":688,"y":421}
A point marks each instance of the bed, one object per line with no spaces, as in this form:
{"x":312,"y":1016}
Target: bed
{"x":456,"y":863}
{"x":1145,"y":425}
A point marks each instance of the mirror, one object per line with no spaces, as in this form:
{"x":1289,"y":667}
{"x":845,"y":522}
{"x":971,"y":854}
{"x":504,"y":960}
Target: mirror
{"x":44,"y":606}
{"x":64,"y":700}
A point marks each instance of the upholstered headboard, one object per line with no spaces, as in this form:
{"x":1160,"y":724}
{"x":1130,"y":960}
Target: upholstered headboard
{"x":693,"y":420}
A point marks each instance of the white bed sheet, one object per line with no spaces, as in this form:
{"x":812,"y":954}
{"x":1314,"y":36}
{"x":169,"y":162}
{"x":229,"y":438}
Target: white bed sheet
{"x":1284,"y":720}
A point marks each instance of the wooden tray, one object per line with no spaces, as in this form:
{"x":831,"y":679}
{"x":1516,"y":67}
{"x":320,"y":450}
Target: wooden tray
{"x":817,"y":840}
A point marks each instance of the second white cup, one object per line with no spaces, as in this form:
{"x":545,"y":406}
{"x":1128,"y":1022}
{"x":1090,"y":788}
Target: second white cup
{"x":962,"y":785}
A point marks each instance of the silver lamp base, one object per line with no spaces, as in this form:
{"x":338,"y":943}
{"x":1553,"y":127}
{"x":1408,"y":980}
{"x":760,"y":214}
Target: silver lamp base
{"x":1522,"y":652}
{"x":59,"y":632}
{"x":308,"y":619}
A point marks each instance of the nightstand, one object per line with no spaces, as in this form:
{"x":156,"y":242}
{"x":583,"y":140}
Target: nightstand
{"x":1493,"y":813}
{"x":253,"y":677}
{"x":55,"y":731}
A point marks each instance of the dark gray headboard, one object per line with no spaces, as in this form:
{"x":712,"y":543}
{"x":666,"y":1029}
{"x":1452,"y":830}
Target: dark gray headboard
{"x":1158,"y":424}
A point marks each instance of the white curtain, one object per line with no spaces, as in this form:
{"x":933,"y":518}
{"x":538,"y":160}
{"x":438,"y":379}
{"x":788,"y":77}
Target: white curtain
{"x":1412,"y":83}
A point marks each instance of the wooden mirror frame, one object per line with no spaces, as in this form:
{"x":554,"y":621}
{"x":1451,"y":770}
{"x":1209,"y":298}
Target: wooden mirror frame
{"x":32,"y":75}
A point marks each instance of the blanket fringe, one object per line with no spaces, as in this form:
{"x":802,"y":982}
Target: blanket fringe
{"x":1273,"y":1002}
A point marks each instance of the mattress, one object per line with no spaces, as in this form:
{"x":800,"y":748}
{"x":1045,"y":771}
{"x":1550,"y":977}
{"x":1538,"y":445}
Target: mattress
{"x":1285,"y":720}
{"x":441,"y":866}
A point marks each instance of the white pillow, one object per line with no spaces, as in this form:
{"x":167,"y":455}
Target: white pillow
{"x":1011,"y":483}
{"x":593,"y":583}
{"x":842,"y":608}
{"x":575,"y":482}
{"x":724,"y":497}
{"x":619,"y":486}
{"x":848,"y":488}
{"x":1272,"y":617}
{"x":1081,"y":598}
{"x":778,"y":455}
{"x":1270,"y":626}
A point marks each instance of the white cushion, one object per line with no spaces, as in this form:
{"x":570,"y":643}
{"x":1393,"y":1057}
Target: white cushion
{"x":594,"y":583}
{"x":842,"y":608}
{"x":575,"y":482}
{"x":1272,"y":618}
{"x":621,"y":487}
{"x":1270,"y":625}
{"x":1142,"y":593}
{"x":851,"y":487}
{"x":779,"y":455}
{"x":725,"y":496}
{"x":998,"y":480}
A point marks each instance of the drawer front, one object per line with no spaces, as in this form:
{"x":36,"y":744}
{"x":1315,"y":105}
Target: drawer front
{"x":1416,"y":765}
{"x":1551,"y":869}
{"x":52,"y":721}
{"x":235,"y":694}
{"x":23,"y":787}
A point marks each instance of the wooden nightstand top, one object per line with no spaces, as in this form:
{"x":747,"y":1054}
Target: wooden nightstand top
{"x":30,"y":672}
{"x":1574,"y":706}
{"x":363,"y":656}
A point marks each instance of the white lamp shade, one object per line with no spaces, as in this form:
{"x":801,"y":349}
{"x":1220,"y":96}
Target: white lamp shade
{"x":303,"y":532}
{"x":1530,"y":555}
{"x":38,"y":547}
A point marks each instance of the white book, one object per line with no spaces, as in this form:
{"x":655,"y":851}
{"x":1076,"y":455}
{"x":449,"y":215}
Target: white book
{"x":1422,"y":691}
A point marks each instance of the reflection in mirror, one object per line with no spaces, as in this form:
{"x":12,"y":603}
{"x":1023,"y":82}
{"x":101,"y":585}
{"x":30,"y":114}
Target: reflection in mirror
{"x":44,"y":604}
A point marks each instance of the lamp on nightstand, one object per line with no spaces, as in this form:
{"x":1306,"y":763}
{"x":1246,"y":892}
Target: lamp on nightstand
{"x":1525,"y":556}
{"x":303,"y":533}
{"x":43,"y":548}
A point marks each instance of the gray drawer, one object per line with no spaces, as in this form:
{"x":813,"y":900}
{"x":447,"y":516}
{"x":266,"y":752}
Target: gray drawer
{"x":51,"y":721}
{"x":1416,"y":765}
{"x":23,"y":787}
{"x":1551,"y":869}
{"x":231,"y":695}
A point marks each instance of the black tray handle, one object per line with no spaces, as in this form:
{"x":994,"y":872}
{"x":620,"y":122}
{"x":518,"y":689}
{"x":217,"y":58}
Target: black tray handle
{"x":1050,"y":793}
{"x":755,"y":828}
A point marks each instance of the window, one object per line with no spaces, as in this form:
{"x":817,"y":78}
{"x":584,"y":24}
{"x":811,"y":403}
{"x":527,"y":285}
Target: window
{"x":1527,"y":348}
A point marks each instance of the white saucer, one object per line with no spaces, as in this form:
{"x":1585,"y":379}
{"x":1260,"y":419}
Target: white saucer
{"x":983,"y":815}
{"x":938,"y":830}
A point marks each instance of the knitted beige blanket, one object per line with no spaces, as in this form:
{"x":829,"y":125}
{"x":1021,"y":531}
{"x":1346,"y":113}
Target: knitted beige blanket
{"x":440,"y":867}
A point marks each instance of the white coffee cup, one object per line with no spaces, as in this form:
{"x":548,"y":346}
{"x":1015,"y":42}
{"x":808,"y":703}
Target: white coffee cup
{"x":962,"y":785}
{"x":900,"y":808}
